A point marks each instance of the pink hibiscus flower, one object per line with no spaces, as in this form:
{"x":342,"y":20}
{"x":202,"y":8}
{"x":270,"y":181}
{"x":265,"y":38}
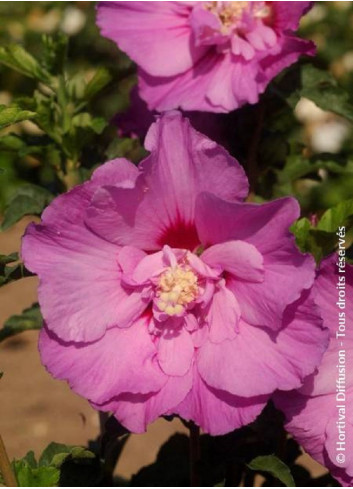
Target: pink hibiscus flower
{"x":312,"y":412}
{"x":164,"y":293}
{"x":207,"y":56}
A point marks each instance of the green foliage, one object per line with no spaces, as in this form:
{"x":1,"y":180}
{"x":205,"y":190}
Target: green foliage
{"x":51,"y":466}
{"x":17,"y":58}
{"x":322,"y":88}
{"x":320,"y":239}
{"x":26,"y":200}
{"x":29,"y":319}
{"x":11,"y":115}
{"x":274,"y":466}
{"x":11,"y":269}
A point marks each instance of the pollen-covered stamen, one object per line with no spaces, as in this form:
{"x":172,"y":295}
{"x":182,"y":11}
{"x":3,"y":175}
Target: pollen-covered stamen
{"x":231,"y":12}
{"x":227,"y":12}
{"x":177,"y":287}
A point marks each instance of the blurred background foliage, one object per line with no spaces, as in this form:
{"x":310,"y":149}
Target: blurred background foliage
{"x":66,"y":84}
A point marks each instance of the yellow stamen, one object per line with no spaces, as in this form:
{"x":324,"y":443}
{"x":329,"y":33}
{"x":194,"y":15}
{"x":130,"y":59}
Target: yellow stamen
{"x":177,"y":287}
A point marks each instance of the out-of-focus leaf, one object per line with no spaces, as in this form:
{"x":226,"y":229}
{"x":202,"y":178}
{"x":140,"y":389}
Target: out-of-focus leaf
{"x":11,"y":142}
{"x":30,"y":319}
{"x":273,"y":465}
{"x":100,"y":79}
{"x":17,"y":58}
{"x":28,"y":476}
{"x":301,"y":229}
{"x":11,"y":115}
{"x":26,"y":200}
{"x":10,"y":270}
{"x":321,"y":239}
{"x":338,"y":216}
{"x":56,"y":453}
{"x":86,"y":121}
{"x":55,"y":52}
{"x":322,"y":88}
{"x":6,"y":259}
{"x":59,"y":465}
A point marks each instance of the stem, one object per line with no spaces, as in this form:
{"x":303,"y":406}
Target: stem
{"x":5,"y":467}
{"x":103,"y":417}
{"x":194,"y":455}
{"x":252,"y":154}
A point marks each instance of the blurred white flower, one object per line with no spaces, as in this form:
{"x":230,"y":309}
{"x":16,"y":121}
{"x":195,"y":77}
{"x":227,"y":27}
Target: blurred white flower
{"x":73,"y":21}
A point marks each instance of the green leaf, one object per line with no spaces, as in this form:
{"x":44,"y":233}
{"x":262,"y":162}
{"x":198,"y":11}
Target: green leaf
{"x":30,"y":319}
{"x":56,"y":453}
{"x":301,"y":229}
{"x":100,"y":79}
{"x":6,"y":259}
{"x":11,"y":115}
{"x":26,"y":200}
{"x":340,"y":215}
{"x":30,"y":459}
{"x":322,"y":88}
{"x":274,"y":466}
{"x":10,"y":270}
{"x":86,"y":121}
{"x":28,"y":476}
{"x":17,"y":58}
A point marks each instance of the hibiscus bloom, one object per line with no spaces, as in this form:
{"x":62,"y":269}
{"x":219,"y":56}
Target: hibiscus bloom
{"x":207,"y":56}
{"x":312,"y":411}
{"x":164,"y":293}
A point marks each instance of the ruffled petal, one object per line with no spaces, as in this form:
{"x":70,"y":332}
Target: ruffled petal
{"x":80,"y":293}
{"x":326,"y":390}
{"x":159,"y":210}
{"x":275,"y":362}
{"x":218,"y":412}
{"x":135,"y":412}
{"x":239,"y":258}
{"x":175,"y":352}
{"x":266,"y":226}
{"x":223,"y":315}
{"x":124,"y":360}
{"x":161,"y":29}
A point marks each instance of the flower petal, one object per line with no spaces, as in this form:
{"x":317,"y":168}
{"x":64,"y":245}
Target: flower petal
{"x":175,"y":352}
{"x":223,"y":315}
{"x":79,"y":293}
{"x":159,"y":210}
{"x":218,"y":412}
{"x":239,"y":258}
{"x":136,"y":411}
{"x":275,"y":362}
{"x":161,"y":29}
{"x":266,"y":226}
{"x":124,"y":360}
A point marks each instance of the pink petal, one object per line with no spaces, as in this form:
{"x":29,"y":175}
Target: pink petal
{"x":223,"y":316}
{"x":218,"y":412}
{"x":160,"y":209}
{"x":124,"y":360}
{"x":175,"y":352}
{"x":287,"y":15}
{"x":79,"y":293}
{"x":239,"y":258}
{"x":150,"y":32}
{"x":135,"y":412}
{"x":275,"y":362}
{"x":266,"y":226}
